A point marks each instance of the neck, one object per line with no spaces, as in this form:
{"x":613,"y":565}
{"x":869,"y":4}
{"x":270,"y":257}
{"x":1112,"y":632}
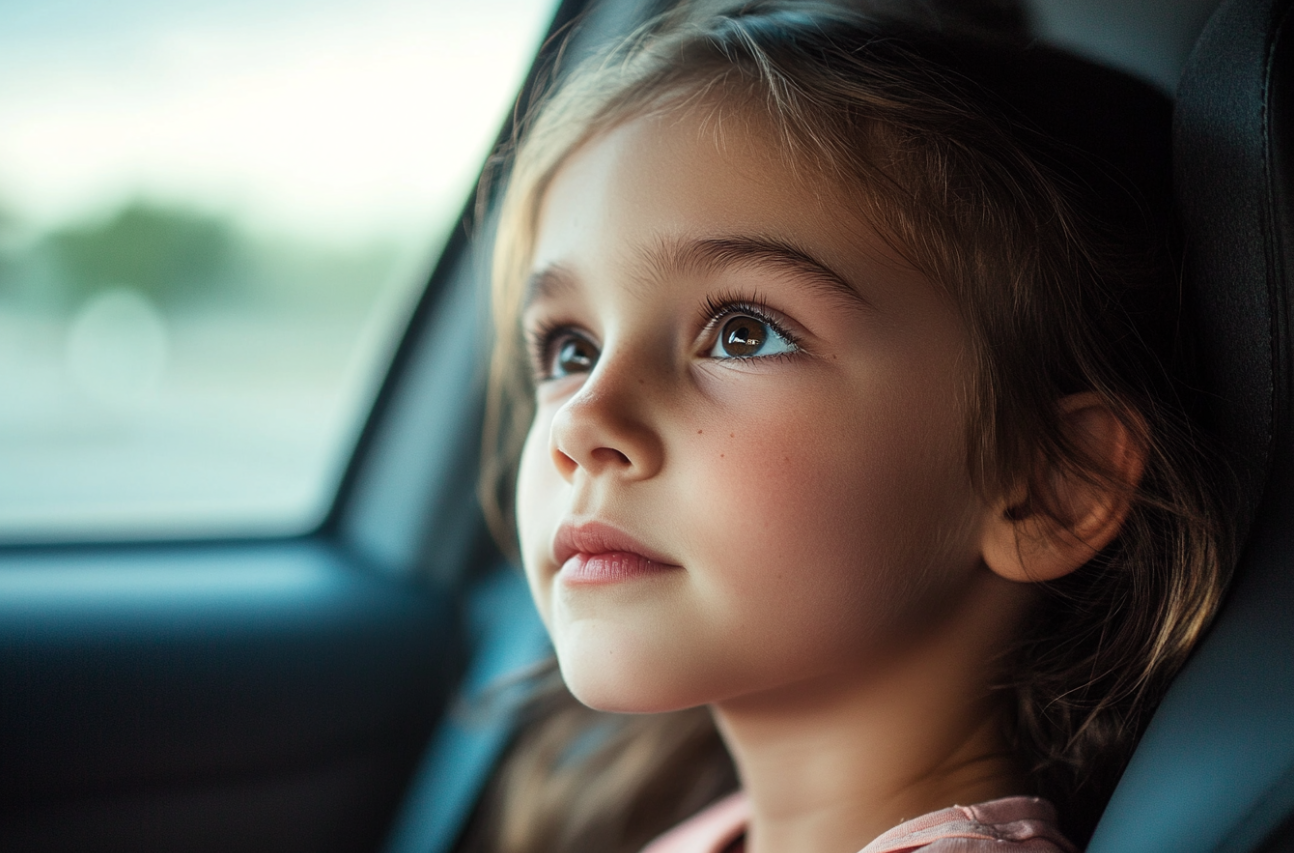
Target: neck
{"x":833,"y":761}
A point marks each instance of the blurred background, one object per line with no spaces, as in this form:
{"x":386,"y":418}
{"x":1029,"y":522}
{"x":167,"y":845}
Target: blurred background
{"x":214,"y":219}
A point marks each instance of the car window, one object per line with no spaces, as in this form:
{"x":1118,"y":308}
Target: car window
{"x":214,"y":218}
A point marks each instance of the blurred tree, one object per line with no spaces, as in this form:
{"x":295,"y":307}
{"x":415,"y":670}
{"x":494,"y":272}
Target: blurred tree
{"x":8,"y":248}
{"x":168,"y":253}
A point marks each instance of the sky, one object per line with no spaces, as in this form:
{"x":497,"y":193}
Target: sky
{"x":345,"y":121}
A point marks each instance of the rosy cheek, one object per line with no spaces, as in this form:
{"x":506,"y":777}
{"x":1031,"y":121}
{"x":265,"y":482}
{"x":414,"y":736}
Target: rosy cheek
{"x":797,"y":494}
{"x":752,"y":476}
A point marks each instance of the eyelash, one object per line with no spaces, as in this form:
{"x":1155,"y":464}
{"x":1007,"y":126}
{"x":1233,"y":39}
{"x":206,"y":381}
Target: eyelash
{"x":540,"y":342}
{"x":714,"y":311}
{"x":719,"y":308}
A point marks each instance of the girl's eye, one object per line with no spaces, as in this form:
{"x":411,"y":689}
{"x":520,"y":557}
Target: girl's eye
{"x":569,"y":354}
{"x":745,"y":336}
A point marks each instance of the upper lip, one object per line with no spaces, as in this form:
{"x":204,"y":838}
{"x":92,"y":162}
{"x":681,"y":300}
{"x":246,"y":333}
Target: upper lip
{"x":595,"y":537}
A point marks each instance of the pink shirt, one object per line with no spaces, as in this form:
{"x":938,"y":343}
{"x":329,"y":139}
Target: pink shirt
{"x":1010,"y":825}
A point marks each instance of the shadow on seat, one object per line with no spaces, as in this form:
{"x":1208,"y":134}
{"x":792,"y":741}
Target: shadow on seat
{"x":1215,"y":770}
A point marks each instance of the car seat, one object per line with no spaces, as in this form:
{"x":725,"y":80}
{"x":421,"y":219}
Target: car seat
{"x":1215,"y":770}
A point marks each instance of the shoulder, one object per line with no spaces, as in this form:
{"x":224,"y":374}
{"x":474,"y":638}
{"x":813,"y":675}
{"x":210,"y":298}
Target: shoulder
{"x":710,"y":831}
{"x":1002,"y":826}
{"x":1010,"y":825}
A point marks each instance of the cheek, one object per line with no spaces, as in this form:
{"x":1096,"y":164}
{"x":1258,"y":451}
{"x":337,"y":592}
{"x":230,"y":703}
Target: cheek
{"x":807,"y":469}
{"x":537,"y":484}
{"x":828,"y":526}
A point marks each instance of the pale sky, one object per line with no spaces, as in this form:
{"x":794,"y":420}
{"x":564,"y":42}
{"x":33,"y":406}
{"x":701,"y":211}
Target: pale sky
{"x":311,"y":117}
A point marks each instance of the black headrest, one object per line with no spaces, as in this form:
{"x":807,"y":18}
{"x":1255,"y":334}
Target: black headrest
{"x":1215,"y":770}
{"x":1234,"y":144}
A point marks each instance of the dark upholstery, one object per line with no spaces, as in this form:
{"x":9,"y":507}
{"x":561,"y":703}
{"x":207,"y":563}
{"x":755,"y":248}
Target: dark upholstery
{"x":1215,"y":771}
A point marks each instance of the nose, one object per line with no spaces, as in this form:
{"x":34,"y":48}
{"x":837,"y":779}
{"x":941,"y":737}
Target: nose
{"x":606,"y":428}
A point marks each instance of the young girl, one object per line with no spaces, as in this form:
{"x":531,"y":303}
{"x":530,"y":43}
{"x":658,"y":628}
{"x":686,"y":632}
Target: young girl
{"x":837,"y":370}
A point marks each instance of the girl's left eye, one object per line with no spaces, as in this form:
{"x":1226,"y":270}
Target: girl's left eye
{"x":748,"y":336}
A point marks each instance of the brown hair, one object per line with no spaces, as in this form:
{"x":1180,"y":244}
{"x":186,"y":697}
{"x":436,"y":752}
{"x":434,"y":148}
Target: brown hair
{"x":1033,"y":188}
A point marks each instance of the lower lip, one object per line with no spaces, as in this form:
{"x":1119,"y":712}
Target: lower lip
{"x":609,"y":567}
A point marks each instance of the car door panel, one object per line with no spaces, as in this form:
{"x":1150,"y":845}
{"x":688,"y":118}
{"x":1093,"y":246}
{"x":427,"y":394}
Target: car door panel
{"x":188,"y":697}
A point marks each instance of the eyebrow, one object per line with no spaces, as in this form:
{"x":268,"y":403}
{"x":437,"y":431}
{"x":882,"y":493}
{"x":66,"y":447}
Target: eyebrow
{"x":716,"y":254}
{"x":547,"y":283}
{"x":712,"y":255}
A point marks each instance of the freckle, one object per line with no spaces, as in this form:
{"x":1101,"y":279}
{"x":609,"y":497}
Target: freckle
{"x":732,"y":435}
{"x":698,"y":432}
{"x":642,"y":381}
{"x":721,"y":455}
{"x":786,"y":459}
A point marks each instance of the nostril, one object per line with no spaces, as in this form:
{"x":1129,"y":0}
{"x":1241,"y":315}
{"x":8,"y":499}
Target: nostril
{"x":610,"y":456}
{"x":565,"y":464}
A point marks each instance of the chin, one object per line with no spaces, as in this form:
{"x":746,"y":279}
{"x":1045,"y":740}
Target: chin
{"x":624,"y":681}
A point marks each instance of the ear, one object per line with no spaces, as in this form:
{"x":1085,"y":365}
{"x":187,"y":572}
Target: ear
{"x":1061,"y":517}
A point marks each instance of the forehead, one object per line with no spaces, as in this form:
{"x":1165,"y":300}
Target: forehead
{"x":696,"y":173}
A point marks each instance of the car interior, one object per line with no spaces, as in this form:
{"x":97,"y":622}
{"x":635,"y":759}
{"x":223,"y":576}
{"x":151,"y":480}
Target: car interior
{"x":322,"y":690}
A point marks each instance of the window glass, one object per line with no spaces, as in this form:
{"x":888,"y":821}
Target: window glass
{"x":214,"y":217}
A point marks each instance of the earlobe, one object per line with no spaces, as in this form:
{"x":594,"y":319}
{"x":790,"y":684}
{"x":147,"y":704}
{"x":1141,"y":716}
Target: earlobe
{"x":1064,"y":514}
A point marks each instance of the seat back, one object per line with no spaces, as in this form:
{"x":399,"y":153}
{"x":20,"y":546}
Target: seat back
{"x":1215,"y":770}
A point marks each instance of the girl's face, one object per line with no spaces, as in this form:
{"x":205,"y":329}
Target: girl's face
{"x":747,"y":466}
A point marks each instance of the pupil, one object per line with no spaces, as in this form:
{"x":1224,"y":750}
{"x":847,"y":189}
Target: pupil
{"x":742,"y":336}
{"x":574,"y":357}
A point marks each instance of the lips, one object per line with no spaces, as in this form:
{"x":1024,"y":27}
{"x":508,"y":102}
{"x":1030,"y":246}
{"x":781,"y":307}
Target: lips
{"x":594,"y":552}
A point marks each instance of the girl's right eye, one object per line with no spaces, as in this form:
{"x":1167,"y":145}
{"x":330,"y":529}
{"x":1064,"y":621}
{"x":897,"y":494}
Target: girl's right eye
{"x":564,"y":353}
